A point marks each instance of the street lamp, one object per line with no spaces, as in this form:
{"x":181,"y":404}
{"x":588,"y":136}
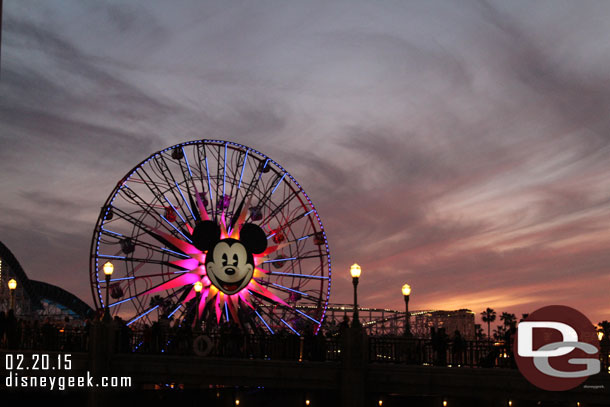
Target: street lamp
{"x":198,"y":286}
{"x":108,"y":270}
{"x":406,"y":292}
{"x":355,"y":271}
{"x":12,"y":285}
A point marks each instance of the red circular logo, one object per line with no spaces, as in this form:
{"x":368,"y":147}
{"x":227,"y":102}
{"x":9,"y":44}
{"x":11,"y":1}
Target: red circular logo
{"x":556,"y":348}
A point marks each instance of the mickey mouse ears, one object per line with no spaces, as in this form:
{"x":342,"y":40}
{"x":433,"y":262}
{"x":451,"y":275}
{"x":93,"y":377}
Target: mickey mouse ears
{"x":253,"y":237}
{"x":207,"y":234}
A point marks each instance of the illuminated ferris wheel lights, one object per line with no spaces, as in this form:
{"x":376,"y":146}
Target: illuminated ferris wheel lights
{"x":198,"y":286}
{"x":150,"y":221}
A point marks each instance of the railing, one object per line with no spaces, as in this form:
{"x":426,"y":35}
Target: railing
{"x":231,"y":345}
{"x":47,"y":338}
{"x":448,"y":353}
{"x":235,"y":344}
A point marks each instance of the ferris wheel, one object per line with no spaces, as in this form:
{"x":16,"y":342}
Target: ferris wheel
{"x":212,"y":232}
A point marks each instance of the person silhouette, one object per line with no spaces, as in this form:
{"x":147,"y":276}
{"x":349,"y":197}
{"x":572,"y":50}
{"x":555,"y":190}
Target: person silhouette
{"x":11,"y":330}
{"x":3,"y":323}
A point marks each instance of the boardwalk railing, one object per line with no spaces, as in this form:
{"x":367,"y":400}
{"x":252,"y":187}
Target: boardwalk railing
{"x":449,"y":353}
{"x":234,"y":344}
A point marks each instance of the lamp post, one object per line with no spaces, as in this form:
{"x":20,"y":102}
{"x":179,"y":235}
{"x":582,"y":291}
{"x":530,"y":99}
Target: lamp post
{"x":355,"y":271}
{"x":12,"y":285}
{"x":108,"y":270}
{"x":406,"y":292}
{"x":198,"y":286}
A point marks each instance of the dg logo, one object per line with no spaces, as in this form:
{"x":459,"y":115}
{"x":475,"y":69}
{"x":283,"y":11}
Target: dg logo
{"x":556,"y":348}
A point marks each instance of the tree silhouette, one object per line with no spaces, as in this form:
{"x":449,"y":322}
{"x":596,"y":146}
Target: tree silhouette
{"x":478,"y":332}
{"x":489,"y":316}
{"x":499,"y":333}
{"x":157,"y":300}
{"x":508,"y":319}
{"x":604,"y":327}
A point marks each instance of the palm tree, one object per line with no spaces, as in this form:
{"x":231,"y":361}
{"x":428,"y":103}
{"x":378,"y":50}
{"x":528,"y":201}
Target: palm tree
{"x":499,"y":333}
{"x":523,"y":316}
{"x":489,"y":316}
{"x":509,"y":319}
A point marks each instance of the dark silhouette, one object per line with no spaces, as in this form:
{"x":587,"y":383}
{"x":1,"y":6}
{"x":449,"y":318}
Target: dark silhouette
{"x":459,"y":345}
{"x":508,"y":319}
{"x":185,"y":339}
{"x":604,"y":327}
{"x":147,"y":338}
{"x":489,"y":360}
{"x":49,"y":338}
{"x":440,"y":341}
{"x":478,"y":332}
{"x":344,"y":325}
{"x":3,"y":326}
{"x":509,"y":338}
{"x":499,"y":332}
{"x":12,"y":330}
{"x":156,"y":337}
{"x":123,"y":335}
{"x":319,"y":353}
{"x":489,"y":316}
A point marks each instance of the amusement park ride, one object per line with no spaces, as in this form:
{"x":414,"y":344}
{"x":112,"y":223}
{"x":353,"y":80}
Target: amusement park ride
{"x":220,"y":217}
{"x":211,"y":233}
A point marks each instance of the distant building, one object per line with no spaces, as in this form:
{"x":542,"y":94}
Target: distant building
{"x":36,"y":299}
{"x":461,"y":320}
{"x":381,"y":321}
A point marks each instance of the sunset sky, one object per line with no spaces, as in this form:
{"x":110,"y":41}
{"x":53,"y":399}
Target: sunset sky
{"x":462,"y":147}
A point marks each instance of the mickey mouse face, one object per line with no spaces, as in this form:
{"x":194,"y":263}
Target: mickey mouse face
{"x":229,"y":262}
{"x":229,"y":266}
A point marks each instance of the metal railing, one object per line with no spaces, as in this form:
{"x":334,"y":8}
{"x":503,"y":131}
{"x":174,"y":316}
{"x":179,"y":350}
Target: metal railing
{"x":231,"y":345}
{"x":235,"y":344}
{"x":47,"y":338}
{"x":448,"y":353}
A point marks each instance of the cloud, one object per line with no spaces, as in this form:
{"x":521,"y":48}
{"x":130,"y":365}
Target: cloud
{"x":463,"y":149}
